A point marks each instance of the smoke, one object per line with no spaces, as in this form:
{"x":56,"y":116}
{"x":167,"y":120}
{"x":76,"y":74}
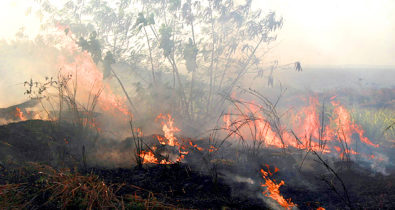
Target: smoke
{"x":56,"y":55}
{"x":22,"y":60}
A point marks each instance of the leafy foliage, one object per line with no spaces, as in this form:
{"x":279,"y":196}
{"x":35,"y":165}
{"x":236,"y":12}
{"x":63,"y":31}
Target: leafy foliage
{"x":190,"y":53}
{"x":217,"y":42}
{"x":166,"y":43}
{"x":108,"y":60}
{"x":92,"y":45}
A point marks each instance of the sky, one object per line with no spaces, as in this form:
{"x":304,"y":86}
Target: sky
{"x":315,"y":32}
{"x":336,"y":32}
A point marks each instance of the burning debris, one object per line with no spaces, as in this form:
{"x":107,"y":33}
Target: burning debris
{"x":170,"y":146}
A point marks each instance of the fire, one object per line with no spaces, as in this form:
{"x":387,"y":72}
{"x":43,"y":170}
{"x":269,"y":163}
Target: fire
{"x":348,"y":127}
{"x":161,"y":139}
{"x":340,"y":127}
{"x":306,"y":123}
{"x":195,"y":146}
{"x":168,"y":129}
{"x":169,"y":139}
{"x":251,"y":124}
{"x":84,"y":75}
{"x":273,"y":189}
{"x":182,"y":145}
{"x":90,"y":81}
{"x":346,"y":151}
{"x":212,"y":149}
{"x":149,"y":157}
{"x":19,"y":114}
{"x":250,"y":120}
{"x":92,"y":123}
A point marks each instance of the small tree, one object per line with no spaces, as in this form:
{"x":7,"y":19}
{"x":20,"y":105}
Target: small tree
{"x":212,"y":42}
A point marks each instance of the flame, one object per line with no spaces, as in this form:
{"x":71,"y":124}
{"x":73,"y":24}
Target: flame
{"x":169,"y":139}
{"x":273,"y":189}
{"x":212,"y":149}
{"x":344,"y":152}
{"x":195,"y":146}
{"x":149,"y":157}
{"x":320,"y":208}
{"x":90,"y":80}
{"x":251,"y":124}
{"x":23,"y":115}
{"x":19,"y":114}
{"x":41,"y":116}
{"x":348,"y":127}
{"x":306,"y":124}
{"x":161,"y":139}
{"x":92,"y":123}
{"x":250,"y":120}
{"x":84,"y":75}
{"x":168,"y":129}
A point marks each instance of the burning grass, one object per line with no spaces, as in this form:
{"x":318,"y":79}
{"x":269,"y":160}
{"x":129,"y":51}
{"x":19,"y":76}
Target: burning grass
{"x":318,"y":147}
{"x":273,"y":189}
{"x":252,"y":132}
{"x":200,"y":180}
{"x":329,"y":130}
{"x":377,"y":123}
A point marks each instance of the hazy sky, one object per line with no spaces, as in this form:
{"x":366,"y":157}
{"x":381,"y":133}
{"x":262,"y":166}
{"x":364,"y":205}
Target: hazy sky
{"x":336,"y":32}
{"x":315,"y":32}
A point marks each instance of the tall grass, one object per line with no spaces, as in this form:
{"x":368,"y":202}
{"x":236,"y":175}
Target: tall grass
{"x":377,"y":123}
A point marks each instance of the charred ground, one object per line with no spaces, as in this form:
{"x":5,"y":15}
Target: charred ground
{"x":30,"y":161}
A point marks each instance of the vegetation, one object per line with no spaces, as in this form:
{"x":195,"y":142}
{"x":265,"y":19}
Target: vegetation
{"x":190,"y":58}
{"x":41,"y":186}
{"x":207,"y":46}
{"x":378,"y":123}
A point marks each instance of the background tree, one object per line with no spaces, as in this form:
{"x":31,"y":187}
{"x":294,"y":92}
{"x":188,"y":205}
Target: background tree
{"x":202,"y":49}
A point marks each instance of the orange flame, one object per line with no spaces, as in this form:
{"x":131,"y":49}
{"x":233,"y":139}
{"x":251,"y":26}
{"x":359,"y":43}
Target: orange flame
{"x":306,"y":124}
{"x":252,"y":125}
{"x":149,"y":157}
{"x":343,"y":121}
{"x":183,"y":145}
{"x":168,"y":129}
{"x":90,"y":79}
{"x":19,"y":114}
{"x":252,"y":119}
{"x":273,"y":190}
{"x":169,"y":139}
{"x":195,"y":146}
{"x":87,"y":76}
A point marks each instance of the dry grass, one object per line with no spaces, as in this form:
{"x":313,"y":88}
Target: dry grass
{"x":63,"y":189}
